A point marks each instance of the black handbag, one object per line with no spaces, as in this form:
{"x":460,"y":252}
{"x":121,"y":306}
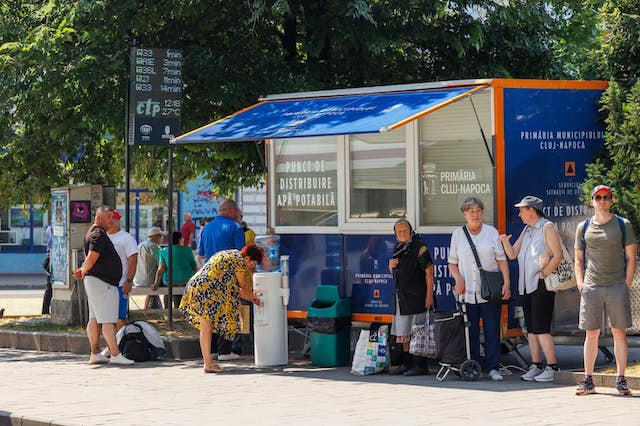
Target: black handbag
{"x":490,"y":282}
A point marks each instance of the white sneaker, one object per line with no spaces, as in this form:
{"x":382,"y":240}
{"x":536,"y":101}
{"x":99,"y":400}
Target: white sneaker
{"x":106,"y":352}
{"x":120,"y":360}
{"x":545,"y":376}
{"x":214,"y":356}
{"x":98,"y":359}
{"x":228,"y":357}
{"x":534,"y":370}
{"x":495,"y":376}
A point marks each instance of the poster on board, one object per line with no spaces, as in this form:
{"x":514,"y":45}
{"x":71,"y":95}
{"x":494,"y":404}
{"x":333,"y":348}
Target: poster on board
{"x":59,"y":243}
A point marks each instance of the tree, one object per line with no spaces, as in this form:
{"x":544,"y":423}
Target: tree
{"x":619,"y":163}
{"x":64,"y":68}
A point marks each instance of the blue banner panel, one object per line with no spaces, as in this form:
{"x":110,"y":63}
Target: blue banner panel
{"x":550,"y":135}
{"x":369,"y":282}
{"x":314,"y":259}
{"x":341,"y":115}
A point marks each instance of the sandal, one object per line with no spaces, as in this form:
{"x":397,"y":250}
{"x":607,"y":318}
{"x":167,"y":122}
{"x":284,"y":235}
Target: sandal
{"x":212,"y":368}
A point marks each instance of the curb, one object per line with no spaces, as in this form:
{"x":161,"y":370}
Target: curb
{"x":572,"y":378}
{"x":8,"y":419}
{"x":186,"y":348}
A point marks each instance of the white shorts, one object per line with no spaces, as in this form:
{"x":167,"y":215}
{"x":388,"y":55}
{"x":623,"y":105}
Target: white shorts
{"x":103,"y":300}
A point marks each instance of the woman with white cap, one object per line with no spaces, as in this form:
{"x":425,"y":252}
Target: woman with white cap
{"x":538,"y":237}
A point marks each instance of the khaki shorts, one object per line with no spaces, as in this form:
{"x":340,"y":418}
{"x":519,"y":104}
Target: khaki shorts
{"x":103,"y":299}
{"x":615,"y":298}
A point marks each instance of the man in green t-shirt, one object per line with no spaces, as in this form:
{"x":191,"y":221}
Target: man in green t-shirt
{"x":605,"y":255}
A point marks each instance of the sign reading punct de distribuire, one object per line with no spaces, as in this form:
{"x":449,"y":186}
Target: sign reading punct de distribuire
{"x":155,"y":95}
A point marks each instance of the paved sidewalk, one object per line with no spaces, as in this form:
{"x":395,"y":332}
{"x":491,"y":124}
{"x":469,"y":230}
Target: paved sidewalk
{"x":61,"y":388}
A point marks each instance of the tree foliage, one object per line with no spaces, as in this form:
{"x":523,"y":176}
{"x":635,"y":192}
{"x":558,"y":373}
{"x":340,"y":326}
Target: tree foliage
{"x":619,"y":163}
{"x":64,"y":68}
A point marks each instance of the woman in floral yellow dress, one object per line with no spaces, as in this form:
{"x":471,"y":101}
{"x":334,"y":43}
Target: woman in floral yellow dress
{"x":211,"y":297}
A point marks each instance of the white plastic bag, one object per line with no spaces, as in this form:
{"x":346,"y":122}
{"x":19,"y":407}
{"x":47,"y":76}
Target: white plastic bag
{"x":372,"y":352}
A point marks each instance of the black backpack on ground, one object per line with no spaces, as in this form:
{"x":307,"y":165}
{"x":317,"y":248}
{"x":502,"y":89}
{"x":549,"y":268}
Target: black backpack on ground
{"x":134,"y":345}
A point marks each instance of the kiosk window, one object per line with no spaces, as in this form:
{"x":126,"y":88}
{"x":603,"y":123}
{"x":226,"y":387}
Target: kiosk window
{"x":454,"y":163}
{"x":305,"y":190}
{"x":377,"y":165}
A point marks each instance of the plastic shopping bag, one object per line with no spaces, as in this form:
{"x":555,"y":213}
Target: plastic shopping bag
{"x":371,"y":354}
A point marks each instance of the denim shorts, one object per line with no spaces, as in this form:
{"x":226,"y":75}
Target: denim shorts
{"x":615,"y":298}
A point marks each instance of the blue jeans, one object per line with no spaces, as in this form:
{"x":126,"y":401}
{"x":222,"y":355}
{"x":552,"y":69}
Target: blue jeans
{"x":490,"y":314}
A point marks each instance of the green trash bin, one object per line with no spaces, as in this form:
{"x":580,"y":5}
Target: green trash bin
{"x":329,"y":321}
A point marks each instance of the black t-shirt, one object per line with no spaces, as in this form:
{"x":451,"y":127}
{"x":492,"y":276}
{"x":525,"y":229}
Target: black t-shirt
{"x":108,"y":267}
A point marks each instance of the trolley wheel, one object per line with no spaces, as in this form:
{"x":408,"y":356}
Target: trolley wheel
{"x":470,"y":370}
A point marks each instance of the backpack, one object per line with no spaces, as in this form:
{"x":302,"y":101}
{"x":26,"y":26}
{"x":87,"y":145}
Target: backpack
{"x":134,"y":345}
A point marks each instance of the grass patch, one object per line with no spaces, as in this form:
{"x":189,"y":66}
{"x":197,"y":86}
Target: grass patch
{"x":633,"y":370}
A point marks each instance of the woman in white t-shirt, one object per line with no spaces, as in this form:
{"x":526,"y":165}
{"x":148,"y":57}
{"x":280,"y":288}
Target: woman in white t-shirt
{"x":464,"y":270}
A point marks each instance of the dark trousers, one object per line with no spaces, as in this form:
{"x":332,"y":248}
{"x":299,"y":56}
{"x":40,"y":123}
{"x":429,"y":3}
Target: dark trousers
{"x":46,"y":300}
{"x":220,"y":345}
{"x":490,"y":314}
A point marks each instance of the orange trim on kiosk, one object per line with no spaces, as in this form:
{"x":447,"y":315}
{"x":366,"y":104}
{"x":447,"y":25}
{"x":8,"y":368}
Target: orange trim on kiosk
{"x":372,"y":317}
{"x":549,"y":84}
{"x":498,"y":110}
{"x":297,"y":314}
{"x":355,"y":317}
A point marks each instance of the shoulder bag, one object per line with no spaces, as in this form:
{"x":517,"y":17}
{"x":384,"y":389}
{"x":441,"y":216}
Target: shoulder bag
{"x":491,"y":282}
{"x":564,"y":276}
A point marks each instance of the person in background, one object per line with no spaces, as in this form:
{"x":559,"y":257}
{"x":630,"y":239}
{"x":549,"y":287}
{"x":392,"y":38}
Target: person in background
{"x":412,"y":269}
{"x":148,"y":255}
{"x":463,"y":268}
{"x":537,"y":301}
{"x":46,"y":265}
{"x":222,"y":233}
{"x":101,"y":272}
{"x":211,"y":297}
{"x":249,"y":235}
{"x":605,"y":265}
{"x":127,"y":248}
{"x":183,"y":266}
{"x":188,"y":231}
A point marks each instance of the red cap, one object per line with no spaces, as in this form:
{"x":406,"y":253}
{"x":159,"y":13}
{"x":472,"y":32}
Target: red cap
{"x":599,"y":188}
{"x":116,"y":215}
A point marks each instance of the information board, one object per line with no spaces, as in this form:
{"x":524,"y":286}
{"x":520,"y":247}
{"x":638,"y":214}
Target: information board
{"x":155,"y":95}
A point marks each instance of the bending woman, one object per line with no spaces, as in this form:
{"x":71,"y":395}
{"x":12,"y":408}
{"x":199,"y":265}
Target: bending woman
{"x":212,"y":295}
{"x":537,"y":301}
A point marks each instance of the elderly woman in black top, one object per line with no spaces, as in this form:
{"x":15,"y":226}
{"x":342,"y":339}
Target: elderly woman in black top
{"x":412,"y":270}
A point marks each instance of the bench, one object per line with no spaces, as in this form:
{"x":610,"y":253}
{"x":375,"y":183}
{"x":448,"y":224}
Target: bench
{"x":146,"y":291}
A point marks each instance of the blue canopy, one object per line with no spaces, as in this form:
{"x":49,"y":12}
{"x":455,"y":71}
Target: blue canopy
{"x":323,"y":116}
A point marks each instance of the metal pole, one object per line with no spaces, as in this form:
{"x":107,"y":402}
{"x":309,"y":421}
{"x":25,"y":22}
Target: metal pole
{"x":128,"y":141}
{"x":170,"y":246}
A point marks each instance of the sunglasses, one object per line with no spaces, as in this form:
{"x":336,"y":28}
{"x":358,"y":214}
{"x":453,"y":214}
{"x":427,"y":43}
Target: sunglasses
{"x":602,"y":197}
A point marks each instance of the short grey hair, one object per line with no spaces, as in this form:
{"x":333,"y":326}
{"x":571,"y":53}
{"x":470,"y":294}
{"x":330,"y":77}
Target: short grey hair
{"x":471,"y":202}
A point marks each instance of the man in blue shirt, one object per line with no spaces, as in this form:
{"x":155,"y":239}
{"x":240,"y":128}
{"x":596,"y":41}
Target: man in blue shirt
{"x":222,"y":233}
